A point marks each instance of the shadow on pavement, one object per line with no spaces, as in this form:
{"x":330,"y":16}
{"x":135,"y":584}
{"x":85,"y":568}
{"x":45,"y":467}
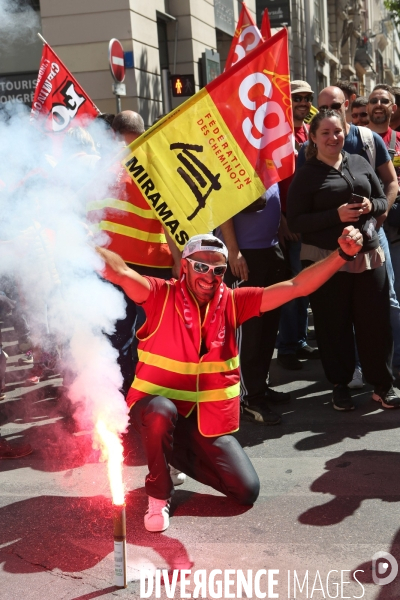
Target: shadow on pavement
{"x":193,"y":504}
{"x":310,"y":411}
{"x":54,"y":447}
{"x":97,"y":593}
{"x":75,"y":534}
{"x":353,"y":478}
{"x":390,"y":591}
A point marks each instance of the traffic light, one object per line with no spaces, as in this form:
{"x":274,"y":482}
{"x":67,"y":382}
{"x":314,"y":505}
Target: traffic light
{"x":182,"y":85}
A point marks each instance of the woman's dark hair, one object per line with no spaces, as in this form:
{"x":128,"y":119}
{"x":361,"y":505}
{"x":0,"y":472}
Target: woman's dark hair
{"x":311,"y":149}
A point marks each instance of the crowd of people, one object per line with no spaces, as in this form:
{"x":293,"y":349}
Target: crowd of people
{"x":246,"y":289}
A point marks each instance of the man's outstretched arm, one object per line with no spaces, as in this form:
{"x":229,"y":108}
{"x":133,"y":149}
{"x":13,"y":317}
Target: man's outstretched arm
{"x":313,"y":277}
{"x":134,"y":285}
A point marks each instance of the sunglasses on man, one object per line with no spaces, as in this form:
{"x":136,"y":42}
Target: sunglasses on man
{"x":333,"y":106}
{"x":381,"y":100}
{"x":308,"y":98}
{"x":361,"y":114}
{"x":203,"y":268}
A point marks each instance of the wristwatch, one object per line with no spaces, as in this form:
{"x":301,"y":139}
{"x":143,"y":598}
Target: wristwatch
{"x":345,"y":256}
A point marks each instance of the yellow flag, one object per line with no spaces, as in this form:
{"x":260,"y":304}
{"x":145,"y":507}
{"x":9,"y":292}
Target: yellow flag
{"x":216,"y":153}
{"x":313,"y":111}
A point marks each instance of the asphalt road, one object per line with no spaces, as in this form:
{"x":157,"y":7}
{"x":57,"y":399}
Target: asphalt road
{"x":329,"y":502}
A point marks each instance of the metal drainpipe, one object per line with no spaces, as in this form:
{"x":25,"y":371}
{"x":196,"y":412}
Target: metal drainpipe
{"x":310,"y":62}
{"x":302,"y":18}
{"x":166,"y":94}
{"x":176,"y":43}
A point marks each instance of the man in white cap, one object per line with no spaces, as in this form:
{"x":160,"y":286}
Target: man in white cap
{"x":184,"y":399}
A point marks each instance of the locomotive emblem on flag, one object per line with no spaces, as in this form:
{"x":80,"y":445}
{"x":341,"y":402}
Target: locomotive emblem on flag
{"x":199,"y":171}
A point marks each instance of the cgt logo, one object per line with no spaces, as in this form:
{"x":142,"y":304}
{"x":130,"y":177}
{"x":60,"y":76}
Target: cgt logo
{"x":254,"y":128}
{"x":248,"y":40}
{"x":384,"y":568}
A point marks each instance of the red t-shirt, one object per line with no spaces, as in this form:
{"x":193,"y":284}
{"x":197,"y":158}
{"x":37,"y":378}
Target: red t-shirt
{"x":301,"y":136}
{"x":396,"y":161}
{"x":247,"y":302}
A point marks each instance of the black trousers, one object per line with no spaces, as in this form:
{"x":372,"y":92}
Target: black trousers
{"x":257,"y":336}
{"x":356,"y":302}
{"x":170,"y":439}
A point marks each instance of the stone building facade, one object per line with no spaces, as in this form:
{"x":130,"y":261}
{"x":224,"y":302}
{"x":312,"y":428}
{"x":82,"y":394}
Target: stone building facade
{"x":344,"y":39}
{"x":328,"y":39}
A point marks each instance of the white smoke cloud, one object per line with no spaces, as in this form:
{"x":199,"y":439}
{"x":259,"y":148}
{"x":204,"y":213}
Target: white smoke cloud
{"x":44,"y":244}
{"x":17,"y":19}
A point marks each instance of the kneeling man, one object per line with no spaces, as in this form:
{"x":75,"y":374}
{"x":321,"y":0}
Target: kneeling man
{"x":184,"y":399}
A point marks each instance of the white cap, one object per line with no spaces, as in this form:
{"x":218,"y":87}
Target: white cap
{"x":203,"y":243}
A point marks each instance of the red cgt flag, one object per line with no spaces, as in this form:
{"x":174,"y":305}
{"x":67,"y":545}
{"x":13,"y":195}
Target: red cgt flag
{"x":247,"y":37}
{"x":59,"y":99}
{"x":255,"y":103}
{"x":265,"y":25}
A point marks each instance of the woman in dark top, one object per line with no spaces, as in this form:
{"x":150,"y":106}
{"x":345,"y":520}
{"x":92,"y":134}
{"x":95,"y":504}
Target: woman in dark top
{"x":319,"y":204}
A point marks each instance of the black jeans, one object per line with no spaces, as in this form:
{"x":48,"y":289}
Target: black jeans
{"x":168,"y":438}
{"x":359,"y":301}
{"x":257,"y":336}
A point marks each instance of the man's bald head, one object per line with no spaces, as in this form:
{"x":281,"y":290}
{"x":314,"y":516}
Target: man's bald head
{"x":333,"y":97}
{"x":129,"y":124}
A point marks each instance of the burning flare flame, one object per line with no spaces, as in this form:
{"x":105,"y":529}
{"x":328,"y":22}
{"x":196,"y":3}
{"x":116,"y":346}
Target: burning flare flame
{"x":112,"y":453}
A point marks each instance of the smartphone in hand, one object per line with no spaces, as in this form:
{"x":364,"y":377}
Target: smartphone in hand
{"x":356,"y":199}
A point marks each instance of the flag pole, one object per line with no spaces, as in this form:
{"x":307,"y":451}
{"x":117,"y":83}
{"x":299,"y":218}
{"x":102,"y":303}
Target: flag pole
{"x":44,"y":42}
{"x":42,"y":38}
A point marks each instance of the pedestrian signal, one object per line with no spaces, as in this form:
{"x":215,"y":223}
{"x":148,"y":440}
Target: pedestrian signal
{"x":182,"y":85}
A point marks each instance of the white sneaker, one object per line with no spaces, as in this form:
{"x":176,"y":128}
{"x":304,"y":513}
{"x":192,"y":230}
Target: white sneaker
{"x":177,"y":476}
{"x":357,"y":382}
{"x":157,"y":514}
{"x":27,"y":359}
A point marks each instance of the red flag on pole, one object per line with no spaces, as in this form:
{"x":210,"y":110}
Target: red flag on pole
{"x":247,"y":37}
{"x":265,"y":25}
{"x":59,"y":100}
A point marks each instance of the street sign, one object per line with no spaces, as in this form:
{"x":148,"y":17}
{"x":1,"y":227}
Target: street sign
{"x":211,"y":66}
{"x":182,"y":86}
{"x":224,"y":16}
{"x":278,"y":10}
{"x":18,"y":88}
{"x":116,"y":60}
{"x":119,"y":89}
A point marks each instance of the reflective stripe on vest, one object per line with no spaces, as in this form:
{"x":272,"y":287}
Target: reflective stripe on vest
{"x":135,"y":232}
{"x":120,"y":205}
{"x":155,"y":238}
{"x":207,"y":396}
{"x":187,"y":368}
